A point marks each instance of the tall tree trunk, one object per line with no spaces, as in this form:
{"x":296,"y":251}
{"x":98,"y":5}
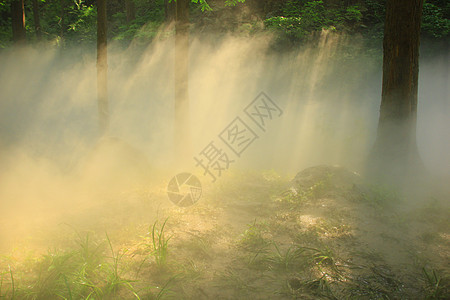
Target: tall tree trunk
{"x":62,"y":25}
{"x":182,"y":131}
{"x":102,"y":67}
{"x":130,"y":10}
{"x":18,"y":21}
{"x":395,"y":151}
{"x":169,"y":10}
{"x":36,"y":17}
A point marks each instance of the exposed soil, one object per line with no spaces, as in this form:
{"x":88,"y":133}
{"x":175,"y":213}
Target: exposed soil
{"x":254,"y":235}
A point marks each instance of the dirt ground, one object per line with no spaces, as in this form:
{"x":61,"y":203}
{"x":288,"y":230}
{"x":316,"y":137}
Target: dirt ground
{"x":326,"y":234}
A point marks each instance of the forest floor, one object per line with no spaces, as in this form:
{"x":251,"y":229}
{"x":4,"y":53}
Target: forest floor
{"x":253,"y":235}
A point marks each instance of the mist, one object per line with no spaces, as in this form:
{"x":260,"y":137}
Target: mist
{"x":57,"y":170}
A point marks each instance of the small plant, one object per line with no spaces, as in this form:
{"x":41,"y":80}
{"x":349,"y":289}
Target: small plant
{"x":190,"y":271}
{"x":90,"y":252}
{"x":298,"y":288}
{"x":158,"y":244}
{"x":13,"y":289}
{"x":380,"y":196}
{"x":53,"y":271}
{"x":320,"y":286}
{"x":323,"y":257}
{"x":434,"y":285}
{"x":293,"y":197}
{"x":164,"y":291}
{"x":114,"y":279}
{"x":200,"y":246}
{"x":252,"y":239}
{"x":284,"y":260}
{"x":259,"y":260}
{"x":377,"y":283}
{"x":12,"y":292}
{"x":300,"y":195}
{"x":320,"y":188}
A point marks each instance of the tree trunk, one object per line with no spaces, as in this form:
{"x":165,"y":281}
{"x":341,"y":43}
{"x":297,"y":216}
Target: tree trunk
{"x":395,"y":151}
{"x":102,"y":68}
{"x":182,"y":139}
{"x":130,"y":10}
{"x":169,"y":10}
{"x":18,"y":21}
{"x":37,"y":22}
{"x":62,"y":24}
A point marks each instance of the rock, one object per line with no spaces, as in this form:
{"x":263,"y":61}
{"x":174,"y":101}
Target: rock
{"x":334,"y":177}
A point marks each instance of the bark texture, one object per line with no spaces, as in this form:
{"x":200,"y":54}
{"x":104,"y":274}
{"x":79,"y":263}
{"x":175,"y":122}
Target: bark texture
{"x":18,"y":21}
{"x":37,"y":20}
{"x":395,"y":150}
{"x":130,"y":9}
{"x":102,"y":67}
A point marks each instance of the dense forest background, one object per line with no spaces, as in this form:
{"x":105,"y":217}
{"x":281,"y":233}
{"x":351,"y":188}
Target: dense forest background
{"x":73,"y":22}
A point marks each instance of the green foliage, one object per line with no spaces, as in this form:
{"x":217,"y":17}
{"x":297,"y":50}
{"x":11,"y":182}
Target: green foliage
{"x":436,"y":286}
{"x":11,"y":291}
{"x":200,"y":247}
{"x":291,"y":9}
{"x":145,"y":27}
{"x":319,"y":287}
{"x":252,"y":239}
{"x":140,"y":33}
{"x":353,"y":14}
{"x":380,"y":196}
{"x":114,"y":278}
{"x":291,"y":27}
{"x":313,"y":15}
{"x":82,"y":273}
{"x":434,"y":23}
{"x":5,"y":25}
{"x":53,"y":271}
{"x":157,"y":244}
{"x":324,"y":258}
{"x":71,"y":22}
{"x":375,"y":12}
{"x":233,"y":2}
{"x":283,"y":260}
{"x":204,"y":6}
{"x":299,"y":19}
{"x":300,"y":195}
{"x":84,"y":26}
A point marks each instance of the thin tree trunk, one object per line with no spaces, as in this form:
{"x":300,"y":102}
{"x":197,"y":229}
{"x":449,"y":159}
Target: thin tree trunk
{"x":182,"y":131}
{"x":130,"y":9}
{"x":102,"y":68}
{"x":62,"y":24}
{"x":395,"y":150}
{"x":169,"y":10}
{"x":36,"y":17}
{"x":18,"y":21}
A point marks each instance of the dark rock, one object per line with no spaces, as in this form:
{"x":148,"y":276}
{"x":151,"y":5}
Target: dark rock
{"x":334,"y":176}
